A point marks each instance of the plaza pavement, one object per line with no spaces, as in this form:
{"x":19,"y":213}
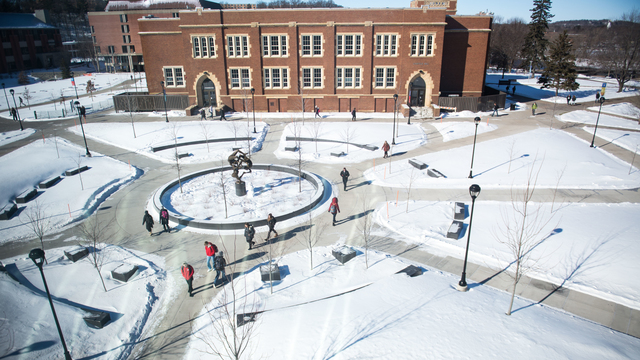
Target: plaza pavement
{"x":169,"y":339}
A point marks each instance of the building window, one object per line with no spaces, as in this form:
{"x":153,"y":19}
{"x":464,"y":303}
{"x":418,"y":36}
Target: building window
{"x":348,"y":77}
{"x":125,"y":28}
{"x":349,"y":45}
{"x":95,"y":41}
{"x":176,"y":15}
{"x":204,"y":46}
{"x":386,"y":45}
{"x":385,"y":77}
{"x":240,"y":78}
{"x":238,"y":46}
{"x":125,"y":49}
{"x":111,"y":49}
{"x":93,"y":31}
{"x":274,"y":45}
{"x":173,"y":77}
{"x":312,"y":78}
{"x":421,"y":45}
{"x":98,"y":50}
{"x":311,"y":45}
{"x":126,"y":39}
{"x":123,"y":18}
{"x":276,"y":78}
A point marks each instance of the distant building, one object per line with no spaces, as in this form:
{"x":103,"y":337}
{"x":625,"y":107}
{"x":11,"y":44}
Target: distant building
{"x":28,"y":42}
{"x":238,"y":6}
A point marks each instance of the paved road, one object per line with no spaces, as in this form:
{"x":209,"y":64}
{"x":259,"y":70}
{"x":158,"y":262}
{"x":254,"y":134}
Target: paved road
{"x":169,"y":339}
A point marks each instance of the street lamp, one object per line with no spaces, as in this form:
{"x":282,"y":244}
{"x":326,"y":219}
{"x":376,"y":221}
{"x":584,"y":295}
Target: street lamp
{"x":409,"y":103}
{"x":164,"y":93}
{"x":80,"y":113}
{"x":5,"y":96}
{"x":601,"y":100}
{"x":135,"y":83}
{"x":16,"y":107}
{"x":474,"y":191}
{"x":476,"y":121}
{"x":73,"y":81}
{"x":395,"y":99}
{"x":37,"y":255}
{"x":253,"y":107}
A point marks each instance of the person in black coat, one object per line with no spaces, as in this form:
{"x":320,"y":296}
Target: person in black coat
{"x":271,"y":222}
{"x":219,"y":263}
{"x":249,"y":233}
{"x":164,"y":219}
{"x":495,"y":110}
{"x":353,"y":114}
{"x":345,"y":176}
{"x":147,"y":221}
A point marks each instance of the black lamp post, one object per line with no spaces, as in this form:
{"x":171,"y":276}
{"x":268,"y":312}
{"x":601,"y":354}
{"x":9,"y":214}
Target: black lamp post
{"x":5,"y":96}
{"x":16,"y":107}
{"x":135,"y":83}
{"x":601,"y":100}
{"x":253,"y":107}
{"x":409,"y":103}
{"x":37,"y":255}
{"x":476,"y":121}
{"x":164,"y":93}
{"x":73,"y":79}
{"x":80,"y":113}
{"x":474,"y":191}
{"x":395,"y":99}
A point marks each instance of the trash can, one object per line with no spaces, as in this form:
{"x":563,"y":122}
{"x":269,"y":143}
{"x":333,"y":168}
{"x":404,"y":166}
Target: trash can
{"x":512,"y":106}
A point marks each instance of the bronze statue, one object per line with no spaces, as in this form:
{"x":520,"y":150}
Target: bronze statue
{"x":239,"y":161}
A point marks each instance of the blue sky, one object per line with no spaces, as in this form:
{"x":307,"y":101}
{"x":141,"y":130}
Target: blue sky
{"x":562,"y":9}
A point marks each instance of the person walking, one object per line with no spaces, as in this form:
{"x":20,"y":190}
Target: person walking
{"x":220,"y":263}
{"x":164,"y":219}
{"x":271,"y":222}
{"x":353,"y":114}
{"x":334,"y":209}
{"x":317,"y":111}
{"x":507,"y":91}
{"x":597,"y":96}
{"x":533,"y":109}
{"x":211,"y":112}
{"x":147,"y":221}
{"x":249,"y":233}
{"x":345,"y":176}
{"x":21,"y":102}
{"x":385,"y":148}
{"x":568,"y":99}
{"x":203,"y":114}
{"x":495,"y":110}
{"x":222,"y":115}
{"x":513,"y":90}
{"x":14,"y":114}
{"x":187,"y":273}
{"x":210,"y":250}
{"x":573,"y":100}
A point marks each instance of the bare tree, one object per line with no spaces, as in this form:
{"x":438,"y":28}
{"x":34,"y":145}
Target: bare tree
{"x":78,"y":161}
{"x":512,"y":147}
{"x":296,"y":128}
{"x":312,"y":235}
{"x":316,"y":130}
{"x":234,"y":127}
{"x":348,"y":133}
{"x":27,"y":96}
{"x":302,"y":99}
{"x":365,"y":226}
{"x":224,"y":189}
{"x":176,"y":157}
{"x":205,"y":130}
{"x":38,"y":221}
{"x":555,"y":190}
{"x":133,"y":106}
{"x":521,"y":229}
{"x":412,"y":178}
{"x":93,"y":232}
{"x":507,"y":40}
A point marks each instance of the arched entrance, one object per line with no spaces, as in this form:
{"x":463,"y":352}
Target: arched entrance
{"x":208,"y":93}
{"x":417,"y":90}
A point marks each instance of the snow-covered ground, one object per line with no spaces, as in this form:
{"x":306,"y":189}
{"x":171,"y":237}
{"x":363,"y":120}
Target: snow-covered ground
{"x":626,"y":139}
{"x":590,"y":118}
{"x":380,"y":314}
{"x":72,"y":198}
{"x":564,"y":161}
{"x":154,"y":134}
{"x":11,"y":136}
{"x":408,"y":137}
{"x":135,"y":306}
{"x":458,"y":130}
{"x":625,"y":109}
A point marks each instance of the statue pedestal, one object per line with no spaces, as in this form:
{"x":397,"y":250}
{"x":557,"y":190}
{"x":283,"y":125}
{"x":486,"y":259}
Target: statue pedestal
{"x":241,"y":189}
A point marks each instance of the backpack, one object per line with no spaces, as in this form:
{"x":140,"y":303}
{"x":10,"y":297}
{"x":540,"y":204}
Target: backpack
{"x":220,"y":263}
{"x":215,"y":248}
{"x":332,"y":209}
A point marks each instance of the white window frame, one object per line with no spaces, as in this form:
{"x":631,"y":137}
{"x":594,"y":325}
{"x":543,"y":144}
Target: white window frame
{"x":238,"y":74}
{"x":126,"y":39}
{"x":281,"y":49}
{"x":387,"y":44}
{"x":198,"y":49}
{"x":124,"y":28}
{"x":356,"y":77}
{"x":385,"y":77}
{"x":314,"y":48}
{"x":315,"y":76}
{"x":174,"y":80}
{"x":269,"y":74}
{"x":238,"y":46}
{"x":356,"y":44}
{"x":421,"y":45}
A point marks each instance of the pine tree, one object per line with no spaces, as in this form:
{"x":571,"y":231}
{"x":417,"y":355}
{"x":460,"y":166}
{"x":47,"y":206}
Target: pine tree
{"x":64,"y":68}
{"x":535,"y":43}
{"x":560,"y":66}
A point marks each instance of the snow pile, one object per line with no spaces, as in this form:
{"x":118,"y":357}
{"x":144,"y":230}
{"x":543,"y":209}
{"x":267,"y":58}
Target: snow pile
{"x":10,"y":136}
{"x":625,"y":109}
{"x":347,"y":312}
{"x":458,"y":130}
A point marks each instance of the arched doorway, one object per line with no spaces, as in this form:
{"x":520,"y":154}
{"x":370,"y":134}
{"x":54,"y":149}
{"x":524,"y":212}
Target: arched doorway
{"x":208,"y":91}
{"x":416,"y":92}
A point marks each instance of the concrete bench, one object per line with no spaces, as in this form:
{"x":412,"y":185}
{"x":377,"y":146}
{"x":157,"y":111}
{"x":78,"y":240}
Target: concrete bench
{"x":343,"y":254}
{"x":26,"y":195}
{"x":370,"y":147}
{"x":337,"y":154}
{"x":184,"y":155}
{"x":76,"y":171}
{"x":411,"y":270}
{"x":291,"y":148}
{"x":97,"y":319}
{"x":242,"y":319}
{"x":458,"y":211}
{"x":124,"y":272}
{"x":454,"y":230}
{"x":417,"y":164}
{"x":49,"y":182}
{"x":76,"y":253}
{"x":434,"y":173}
{"x":236,"y":148}
{"x":264,"y":272}
{"x":7,"y":211}
{"x":504,"y":82}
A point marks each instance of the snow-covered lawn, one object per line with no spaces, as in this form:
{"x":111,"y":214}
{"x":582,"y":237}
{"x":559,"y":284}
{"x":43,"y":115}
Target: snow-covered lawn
{"x":626,"y":139}
{"x":556,"y":152}
{"x":10,"y":136}
{"x":135,"y":306}
{"x":458,"y":130}
{"x":590,"y":118}
{"x":154,"y":134}
{"x":625,"y":109}
{"x":73,"y":197}
{"x":381,"y":314}
{"x":408,"y":137}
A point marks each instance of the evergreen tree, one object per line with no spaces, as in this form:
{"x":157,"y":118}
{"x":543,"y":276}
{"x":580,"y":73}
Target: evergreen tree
{"x":560,"y":66}
{"x":64,"y":68}
{"x":535,"y":43}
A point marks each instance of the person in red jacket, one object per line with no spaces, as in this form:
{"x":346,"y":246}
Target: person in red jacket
{"x":334,"y":209}
{"x":210,"y":249}
{"x":385,"y":148}
{"x":187,"y":273}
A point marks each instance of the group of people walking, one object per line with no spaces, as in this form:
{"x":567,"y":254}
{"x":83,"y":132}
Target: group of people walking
{"x":215,"y":261}
{"x":147,"y":221}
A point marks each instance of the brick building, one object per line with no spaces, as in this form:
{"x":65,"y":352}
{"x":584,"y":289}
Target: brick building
{"x":337,"y":59}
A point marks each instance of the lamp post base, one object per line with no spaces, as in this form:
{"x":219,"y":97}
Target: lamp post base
{"x":241,"y":189}
{"x":462,"y":288}
{"x":470,"y":175}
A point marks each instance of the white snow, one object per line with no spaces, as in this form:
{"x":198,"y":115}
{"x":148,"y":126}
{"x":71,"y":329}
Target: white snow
{"x":458,"y":130}
{"x":626,"y":139}
{"x":590,"y":118}
{"x":10,"y":136}
{"x":624,"y":109}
